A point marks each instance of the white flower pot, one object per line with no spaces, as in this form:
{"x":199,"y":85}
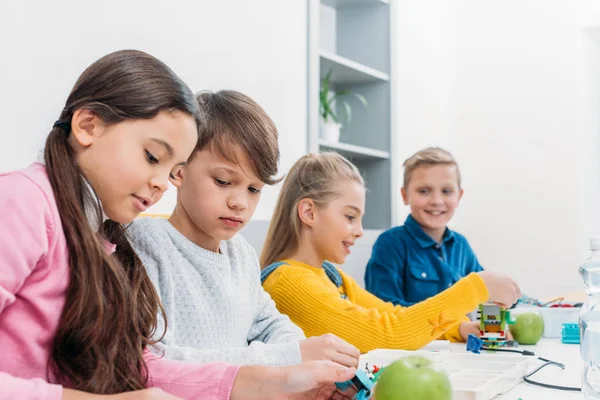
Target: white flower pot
{"x":330,"y":131}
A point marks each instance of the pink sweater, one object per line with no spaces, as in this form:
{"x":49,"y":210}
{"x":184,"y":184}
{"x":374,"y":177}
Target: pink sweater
{"x":34,"y":275}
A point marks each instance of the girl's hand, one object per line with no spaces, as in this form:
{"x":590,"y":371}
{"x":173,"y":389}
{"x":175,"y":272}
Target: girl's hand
{"x":309,"y":380}
{"x":314,"y":380}
{"x":503,"y":290}
{"x":467,"y":328}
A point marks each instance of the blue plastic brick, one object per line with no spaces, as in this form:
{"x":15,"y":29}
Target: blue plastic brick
{"x":570,"y":333}
{"x":474,"y":344}
{"x":361,"y":384}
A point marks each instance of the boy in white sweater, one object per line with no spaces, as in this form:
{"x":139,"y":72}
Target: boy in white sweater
{"x":207,"y":275}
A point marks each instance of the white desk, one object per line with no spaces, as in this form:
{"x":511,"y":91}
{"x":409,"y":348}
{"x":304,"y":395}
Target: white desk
{"x":554,"y":350}
{"x":551,"y":349}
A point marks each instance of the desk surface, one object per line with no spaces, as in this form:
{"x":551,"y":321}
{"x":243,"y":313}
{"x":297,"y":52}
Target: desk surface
{"x":554,"y":350}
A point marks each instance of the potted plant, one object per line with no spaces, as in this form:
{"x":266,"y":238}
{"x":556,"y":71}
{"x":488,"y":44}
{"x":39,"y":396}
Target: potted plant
{"x":328,"y":99}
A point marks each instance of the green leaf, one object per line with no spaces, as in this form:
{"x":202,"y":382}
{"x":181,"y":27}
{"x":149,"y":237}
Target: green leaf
{"x":348,"y":110}
{"x":328,"y":98}
{"x":361,"y":98}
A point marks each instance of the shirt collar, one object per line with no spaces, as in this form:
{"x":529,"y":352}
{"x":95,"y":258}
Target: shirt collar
{"x":422,"y":238}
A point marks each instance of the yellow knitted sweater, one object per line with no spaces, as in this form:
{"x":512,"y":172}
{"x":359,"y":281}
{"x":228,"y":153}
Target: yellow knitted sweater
{"x":316,"y":305}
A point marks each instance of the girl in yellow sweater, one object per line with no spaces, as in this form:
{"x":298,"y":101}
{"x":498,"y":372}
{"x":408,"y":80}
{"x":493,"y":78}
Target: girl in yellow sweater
{"x":318,"y":218}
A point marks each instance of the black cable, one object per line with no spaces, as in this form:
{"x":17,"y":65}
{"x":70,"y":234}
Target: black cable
{"x":523,"y":352}
{"x":546,"y":362}
{"x":531,"y":382}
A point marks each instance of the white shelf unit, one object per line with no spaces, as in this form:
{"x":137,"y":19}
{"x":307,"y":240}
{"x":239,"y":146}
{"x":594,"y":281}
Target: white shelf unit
{"x":348,"y":72}
{"x":351,"y":38}
{"x":356,"y":152}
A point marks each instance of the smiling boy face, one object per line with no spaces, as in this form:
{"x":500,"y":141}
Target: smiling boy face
{"x":433,"y":193}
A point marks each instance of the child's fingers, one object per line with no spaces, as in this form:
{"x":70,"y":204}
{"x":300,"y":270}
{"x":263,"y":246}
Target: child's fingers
{"x":346,"y":348}
{"x":344,"y":360}
{"x":329,"y":371}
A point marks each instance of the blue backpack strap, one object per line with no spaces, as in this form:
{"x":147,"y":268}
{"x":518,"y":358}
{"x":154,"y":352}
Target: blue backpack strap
{"x":331,"y":271}
{"x":264,"y":274}
{"x":333,"y":274}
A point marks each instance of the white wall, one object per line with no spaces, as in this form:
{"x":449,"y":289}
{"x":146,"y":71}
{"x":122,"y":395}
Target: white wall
{"x":513,"y":91}
{"x":257,"y":47}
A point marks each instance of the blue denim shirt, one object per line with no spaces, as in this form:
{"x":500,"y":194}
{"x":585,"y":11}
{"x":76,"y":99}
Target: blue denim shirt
{"x":407,"y":266}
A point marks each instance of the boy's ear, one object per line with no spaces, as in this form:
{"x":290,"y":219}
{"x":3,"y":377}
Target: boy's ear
{"x":306,"y":211}
{"x":460,"y":194}
{"x":177,"y":177}
{"x":85,"y":126}
{"x":404,"y":196}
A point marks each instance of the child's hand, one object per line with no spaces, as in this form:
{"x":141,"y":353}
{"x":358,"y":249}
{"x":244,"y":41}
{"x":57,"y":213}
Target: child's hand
{"x":313,"y":381}
{"x":329,"y":347}
{"x":503,"y":290}
{"x":467,"y":328}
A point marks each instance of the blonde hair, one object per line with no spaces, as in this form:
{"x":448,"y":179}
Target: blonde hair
{"x":429,"y":157}
{"x":313,"y":176}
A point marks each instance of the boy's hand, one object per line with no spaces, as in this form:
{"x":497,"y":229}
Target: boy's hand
{"x":503,"y":290}
{"x":329,"y":347}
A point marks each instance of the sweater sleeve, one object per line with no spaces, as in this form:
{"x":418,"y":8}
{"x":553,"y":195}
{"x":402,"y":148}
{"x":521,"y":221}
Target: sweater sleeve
{"x":256,"y":353}
{"x":453,"y":334}
{"x":366,"y":321}
{"x":270,"y":326}
{"x":26,"y":222}
{"x":189,"y":381}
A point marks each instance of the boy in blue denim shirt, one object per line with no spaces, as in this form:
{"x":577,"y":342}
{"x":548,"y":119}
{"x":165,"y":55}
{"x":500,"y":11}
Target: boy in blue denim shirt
{"x":422,"y":258}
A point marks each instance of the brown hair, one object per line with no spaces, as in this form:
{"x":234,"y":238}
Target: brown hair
{"x":428,"y":157}
{"x":233,"y":118}
{"x":111,"y":306}
{"x":313,"y":176}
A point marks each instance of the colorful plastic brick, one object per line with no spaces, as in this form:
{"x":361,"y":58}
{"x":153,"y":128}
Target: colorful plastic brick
{"x":493,"y":325}
{"x":360,"y":386}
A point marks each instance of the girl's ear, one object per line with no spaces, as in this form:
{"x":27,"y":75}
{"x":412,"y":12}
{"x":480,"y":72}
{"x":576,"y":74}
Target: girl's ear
{"x":85,"y":126}
{"x":176,"y":178}
{"x":306,"y":211}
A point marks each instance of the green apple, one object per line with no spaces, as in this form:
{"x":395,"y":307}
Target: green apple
{"x":413,"y":378}
{"x":528,"y":328}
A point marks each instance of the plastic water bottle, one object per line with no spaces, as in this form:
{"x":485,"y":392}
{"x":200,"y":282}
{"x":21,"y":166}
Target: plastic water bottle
{"x":589,"y":322}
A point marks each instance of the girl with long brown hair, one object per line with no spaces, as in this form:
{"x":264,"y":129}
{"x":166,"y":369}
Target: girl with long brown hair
{"x":77,"y":309}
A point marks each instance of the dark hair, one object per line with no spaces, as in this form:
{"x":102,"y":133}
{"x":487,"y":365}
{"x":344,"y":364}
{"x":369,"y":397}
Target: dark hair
{"x":111,"y":307}
{"x":232,"y":117}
